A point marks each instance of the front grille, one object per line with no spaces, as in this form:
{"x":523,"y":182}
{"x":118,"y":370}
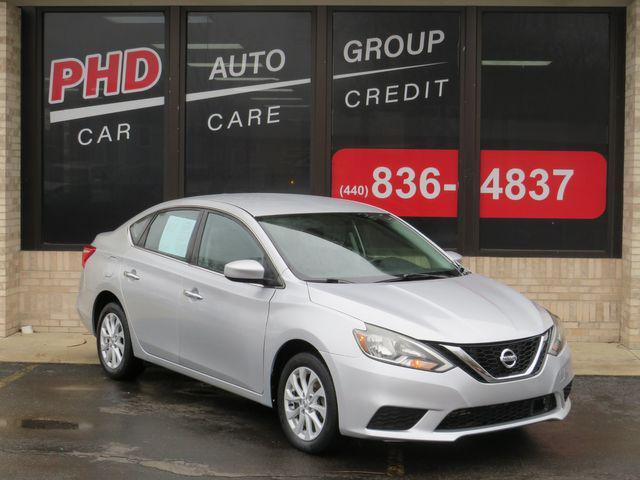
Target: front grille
{"x":477,"y":417}
{"x":395,"y":418}
{"x":488,"y":355}
{"x":567,"y":390}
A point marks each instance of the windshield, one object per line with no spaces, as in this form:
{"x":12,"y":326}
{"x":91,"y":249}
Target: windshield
{"x":355,"y":247}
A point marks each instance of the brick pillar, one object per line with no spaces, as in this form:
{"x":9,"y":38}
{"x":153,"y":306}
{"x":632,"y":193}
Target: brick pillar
{"x":630,"y":325}
{"x":9,"y":167}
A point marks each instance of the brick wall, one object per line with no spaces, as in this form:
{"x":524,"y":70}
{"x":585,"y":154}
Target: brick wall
{"x":584,"y":293}
{"x":630,"y":314}
{"x":48,"y":289}
{"x":9,"y":167}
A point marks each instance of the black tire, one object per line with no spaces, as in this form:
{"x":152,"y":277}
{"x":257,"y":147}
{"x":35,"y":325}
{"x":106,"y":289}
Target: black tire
{"x":329,"y":431}
{"x":129,"y":366}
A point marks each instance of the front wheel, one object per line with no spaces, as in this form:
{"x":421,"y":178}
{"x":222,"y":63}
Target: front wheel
{"x":306,"y":402}
{"x":114,"y":344}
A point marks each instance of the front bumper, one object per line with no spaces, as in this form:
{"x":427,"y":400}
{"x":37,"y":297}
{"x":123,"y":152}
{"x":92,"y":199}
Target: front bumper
{"x":364,"y":385}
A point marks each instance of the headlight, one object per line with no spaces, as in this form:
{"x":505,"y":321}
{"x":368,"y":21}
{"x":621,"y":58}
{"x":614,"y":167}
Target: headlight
{"x":390,"y":347}
{"x":558,"y":339}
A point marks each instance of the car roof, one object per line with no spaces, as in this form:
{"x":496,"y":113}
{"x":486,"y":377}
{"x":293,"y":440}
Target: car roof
{"x":264,"y":204}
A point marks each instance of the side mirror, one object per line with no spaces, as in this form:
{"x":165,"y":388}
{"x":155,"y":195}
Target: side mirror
{"x":247,"y":271}
{"x":455,"y":256}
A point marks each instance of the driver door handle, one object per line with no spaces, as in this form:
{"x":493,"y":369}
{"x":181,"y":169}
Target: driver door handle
{"x":192,"y":294}
{"x":132,"y":275}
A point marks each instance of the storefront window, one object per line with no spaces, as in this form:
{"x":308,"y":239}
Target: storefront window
{"x":545,"y":130}
{"x":103,"y":121}
{"x":396,"y":114}
{"x":248,"y":102}
{"x":399,"y":107}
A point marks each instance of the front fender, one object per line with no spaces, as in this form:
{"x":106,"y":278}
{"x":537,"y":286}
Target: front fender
{"x":294,"y":317}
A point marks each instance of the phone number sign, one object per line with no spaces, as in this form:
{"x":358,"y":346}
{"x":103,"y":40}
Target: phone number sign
{"x":542,"y":184}
{"x":409,"y":183}
{"x":514,"y":183}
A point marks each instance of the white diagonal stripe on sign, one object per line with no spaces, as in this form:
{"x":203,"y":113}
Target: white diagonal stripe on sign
{"x":225,"y":92}
{"x":384,"y":70}
{"x":97,"y":110}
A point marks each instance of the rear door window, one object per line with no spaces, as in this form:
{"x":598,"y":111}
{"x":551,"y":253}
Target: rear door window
{"x":171,"y":232}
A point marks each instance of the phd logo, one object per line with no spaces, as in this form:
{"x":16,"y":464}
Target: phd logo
{"x":134,"y":70}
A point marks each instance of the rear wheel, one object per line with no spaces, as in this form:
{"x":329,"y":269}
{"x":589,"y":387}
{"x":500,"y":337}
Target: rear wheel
{"x":307,"y":406}
{"x":114,"y":344}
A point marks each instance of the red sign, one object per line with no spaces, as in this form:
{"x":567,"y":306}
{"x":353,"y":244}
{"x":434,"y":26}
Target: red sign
{"x":409,"y":183}
{"x":542,"y":184}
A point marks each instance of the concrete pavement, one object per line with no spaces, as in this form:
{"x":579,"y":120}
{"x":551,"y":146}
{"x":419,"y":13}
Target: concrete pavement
{"x":49,"y":348}
{"x":71,"y":422}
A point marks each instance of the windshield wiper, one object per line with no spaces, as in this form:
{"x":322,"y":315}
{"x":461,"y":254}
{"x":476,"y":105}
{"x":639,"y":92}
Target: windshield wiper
{"x":330,"y":280}
{"x":436,"y":274}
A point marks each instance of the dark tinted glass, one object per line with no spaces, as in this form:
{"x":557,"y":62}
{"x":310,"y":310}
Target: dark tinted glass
{"x":224,"y":241}
{"x":248,"y":102}
{"x":103,"y":156}
{"x":171,"y":232}
{"x":396,"y":86}
{"x":545,"y":100}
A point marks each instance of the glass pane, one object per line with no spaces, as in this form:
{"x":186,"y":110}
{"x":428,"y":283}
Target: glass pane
{"x":170,"y":232}
{"x":103,"y":125}
{"x":354,"y":247}
{"x":248,"y":102}
{"x":137,"y":229}
{"x":544,"y":130}
{"x":224,"y":241}
{"x":396,"y":114}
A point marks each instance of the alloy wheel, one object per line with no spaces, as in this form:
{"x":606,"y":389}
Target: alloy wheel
{"x":305,"y":403}
{"x":112,"y":341}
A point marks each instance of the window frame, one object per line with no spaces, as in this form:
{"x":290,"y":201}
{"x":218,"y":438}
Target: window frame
{"x":32,"y":119}
{"x":468,"y":220}
{"x":317,"y":143}
{"x":463,"y":141}
{"x":470,"y":123}
{"x":617,"y":38}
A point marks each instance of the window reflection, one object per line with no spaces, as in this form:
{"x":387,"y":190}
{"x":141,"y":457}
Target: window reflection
{"x":396,"y":86}
{"x":248,"y":102}
{"x":103,"y":158}
{"x":545,"y":87}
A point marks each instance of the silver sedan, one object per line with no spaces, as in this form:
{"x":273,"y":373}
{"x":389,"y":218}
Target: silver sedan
{"x":341,"y":316}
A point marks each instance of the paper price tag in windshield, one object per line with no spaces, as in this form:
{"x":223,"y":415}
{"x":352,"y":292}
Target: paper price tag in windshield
{"x":176,"y":235}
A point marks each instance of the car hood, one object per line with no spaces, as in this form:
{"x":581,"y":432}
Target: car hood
{"x":466,"y":309}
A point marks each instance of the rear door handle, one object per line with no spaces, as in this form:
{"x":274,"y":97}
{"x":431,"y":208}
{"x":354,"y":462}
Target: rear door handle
{"x":192,"y":294}
{"x":132,"y":275}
